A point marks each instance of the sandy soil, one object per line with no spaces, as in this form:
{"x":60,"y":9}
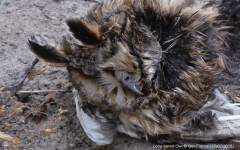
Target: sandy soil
{"x":49,"y":127}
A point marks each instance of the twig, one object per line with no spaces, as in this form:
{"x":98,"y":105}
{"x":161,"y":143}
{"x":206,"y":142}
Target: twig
{"x":95,"y":1}
{"x":14,"y":87}
{"x":43,"y":91}
{"x":40,"y":105}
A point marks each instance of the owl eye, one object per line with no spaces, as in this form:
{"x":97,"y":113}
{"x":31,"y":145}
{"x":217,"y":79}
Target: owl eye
{"x":129,"y":80}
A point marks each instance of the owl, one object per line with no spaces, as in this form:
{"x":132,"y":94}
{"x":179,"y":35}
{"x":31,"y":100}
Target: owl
{"x":155,"y":69}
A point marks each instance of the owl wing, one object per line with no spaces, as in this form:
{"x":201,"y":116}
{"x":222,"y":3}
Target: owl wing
{"x":99,"y":125}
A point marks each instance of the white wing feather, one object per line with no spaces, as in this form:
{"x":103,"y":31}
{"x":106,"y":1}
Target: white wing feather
{"x":94,"y":128}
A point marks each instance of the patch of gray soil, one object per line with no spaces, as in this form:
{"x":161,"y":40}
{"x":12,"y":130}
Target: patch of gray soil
{"x":55,"y":124}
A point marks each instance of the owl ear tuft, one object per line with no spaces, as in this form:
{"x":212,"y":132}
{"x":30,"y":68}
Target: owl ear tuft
{"x":86,"y":32}
{"x":48,"y":54}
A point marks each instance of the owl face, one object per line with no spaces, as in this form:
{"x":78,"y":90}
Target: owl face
{"x":128,"y":53}
{"x":108,"y":58}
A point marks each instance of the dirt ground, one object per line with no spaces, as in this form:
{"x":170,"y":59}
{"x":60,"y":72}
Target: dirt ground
{"x":55,"y":125}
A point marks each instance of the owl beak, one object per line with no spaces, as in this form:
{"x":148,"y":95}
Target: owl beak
{"x":131,"y":81}
{"x":132,"y":87}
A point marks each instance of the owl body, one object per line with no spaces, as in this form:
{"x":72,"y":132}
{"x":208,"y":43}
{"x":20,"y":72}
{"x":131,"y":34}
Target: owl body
{"x":148,"y":68}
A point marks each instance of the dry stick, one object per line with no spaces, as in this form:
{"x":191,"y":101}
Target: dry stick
{"x":95,"y":1}
{"x":69,"y":84}
{"x":40,"y":105}
{"x":14,"y":87}
{"x":42,"y":91}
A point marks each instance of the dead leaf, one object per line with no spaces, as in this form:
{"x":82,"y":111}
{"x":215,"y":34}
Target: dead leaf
{"x":1,"y":111}
{"x":7,"y":124}
{"x":38,"y":72}
{"x":5,"y":137}
{"x":2,"y":88}
{"x":58,"y":119}
{"x":47,"y":131}
{"x":61,"y":111}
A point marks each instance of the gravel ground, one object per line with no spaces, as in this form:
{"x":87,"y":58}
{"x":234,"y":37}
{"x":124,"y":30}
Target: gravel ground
{"x":49,"y":127}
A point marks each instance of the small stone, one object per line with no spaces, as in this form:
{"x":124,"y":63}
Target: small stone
{"x":5,"y":144}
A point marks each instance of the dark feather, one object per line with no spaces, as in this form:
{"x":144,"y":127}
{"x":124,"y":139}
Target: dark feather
{"x":46,"y":52}
{"x":87,"y":34}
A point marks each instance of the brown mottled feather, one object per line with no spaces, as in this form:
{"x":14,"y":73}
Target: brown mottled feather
{"x":178,"y":48}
